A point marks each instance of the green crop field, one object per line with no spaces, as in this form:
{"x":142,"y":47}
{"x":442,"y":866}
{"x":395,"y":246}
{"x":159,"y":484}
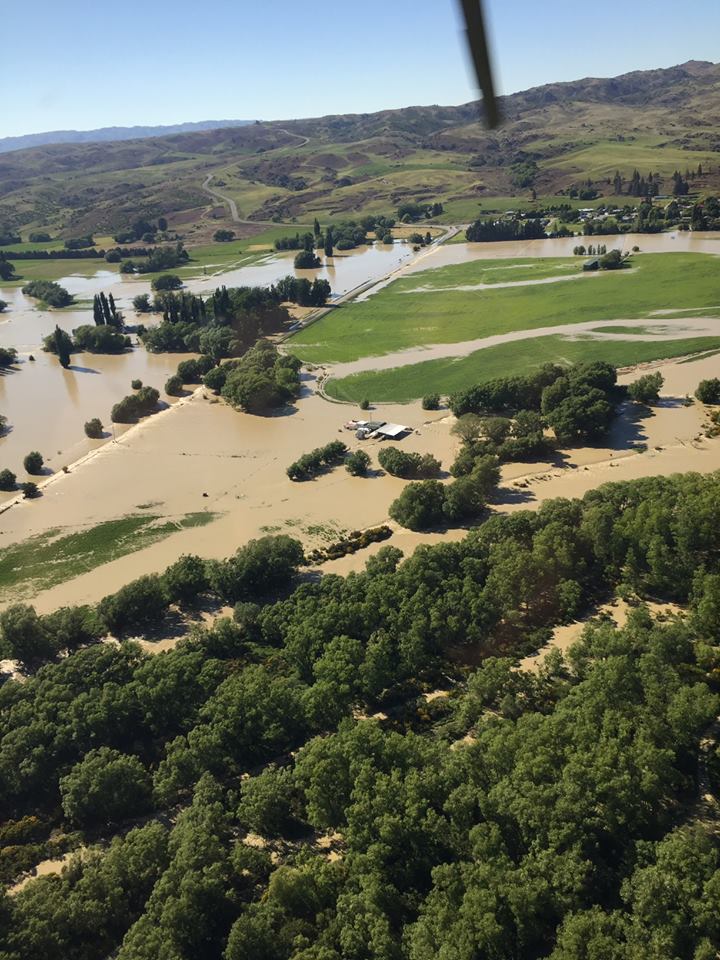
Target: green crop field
{"x":402,"y":384}
{"x":400,"y":316}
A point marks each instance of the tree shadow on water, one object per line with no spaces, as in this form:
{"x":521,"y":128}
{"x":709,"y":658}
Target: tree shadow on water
{"x":74,"y":368}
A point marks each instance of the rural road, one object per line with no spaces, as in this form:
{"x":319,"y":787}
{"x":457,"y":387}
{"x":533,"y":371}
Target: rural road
{"x":214,"y":192}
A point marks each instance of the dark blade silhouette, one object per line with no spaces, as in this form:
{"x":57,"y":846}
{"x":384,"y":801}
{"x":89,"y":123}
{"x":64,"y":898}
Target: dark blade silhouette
{"x":477,"y":41}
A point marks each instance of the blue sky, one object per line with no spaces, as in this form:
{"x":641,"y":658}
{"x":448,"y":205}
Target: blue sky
{"x":89,"y":63}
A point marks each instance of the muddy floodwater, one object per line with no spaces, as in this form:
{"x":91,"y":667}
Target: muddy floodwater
{"x":47,"y":407}
{"x":681,"y":241}
{"x":202,"y":455}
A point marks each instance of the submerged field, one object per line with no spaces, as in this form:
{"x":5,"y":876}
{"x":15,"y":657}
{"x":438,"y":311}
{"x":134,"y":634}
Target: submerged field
{"x":427,"y":308}
{"x":53,"y":557}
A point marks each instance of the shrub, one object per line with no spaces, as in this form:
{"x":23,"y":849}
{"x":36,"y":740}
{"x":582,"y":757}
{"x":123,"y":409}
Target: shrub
{"x":8,"y":356}
{"x":708,"y":391}
{"x":141,"y":303}
{"x":137,"y":604}
{"x":646,"y":389}
{"x":611,"y":260}
{"x":23,"y":636}
{"x":223,"y":236}
{"x":185,"y":579}
{"x":365,"y":404}
{"x":357,"y":463}
{"x":306,"y":260}
{"x":309,"y":464}
{"x":420,"y":505}
{"x":135,"y":405}
{"x":7,"y":480}
{"x":431,"y":401}
{"x":258,"y":568}
{"x":262,"y":379}
{"x":167,"y":281}
{"x":136,"y":384}
{"x":192,"y":371}
{"x":102,"y":339}
{"x":3,"y":305}
{"x":47,"y":291}
{"x":174,"y":386}
{"x":30,"y":490}
{"x":33,"y":462}
{"x":94,"y":429}
{"x":106,"y":786}
{"x":215,"y":379}
{"x":409,"y":466}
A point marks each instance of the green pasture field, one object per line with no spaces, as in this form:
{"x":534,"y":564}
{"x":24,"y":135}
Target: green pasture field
{"x":403,"y":384}
{"x":500,"y":271}
{"x":397,"y":318}
{"x":56,"y":269}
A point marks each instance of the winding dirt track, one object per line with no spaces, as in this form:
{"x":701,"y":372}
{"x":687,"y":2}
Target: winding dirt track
{"x":234,"y":214}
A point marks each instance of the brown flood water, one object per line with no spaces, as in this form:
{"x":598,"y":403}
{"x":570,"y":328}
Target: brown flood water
{"x":676,"y":242}
{"x":47,"y":406}
{"x":239,"y":461}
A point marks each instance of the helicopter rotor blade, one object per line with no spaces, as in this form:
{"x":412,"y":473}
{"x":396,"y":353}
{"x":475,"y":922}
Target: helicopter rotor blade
{"x":477,"y":42}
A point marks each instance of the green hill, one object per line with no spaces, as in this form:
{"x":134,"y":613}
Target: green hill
{"x":554,"y":137}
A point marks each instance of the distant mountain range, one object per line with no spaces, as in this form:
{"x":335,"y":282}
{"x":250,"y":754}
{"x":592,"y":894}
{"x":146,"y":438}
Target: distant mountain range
{"x":556,"y":140}
{"x":105,"y":134}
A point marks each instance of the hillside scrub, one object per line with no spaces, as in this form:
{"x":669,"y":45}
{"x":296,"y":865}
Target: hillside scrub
{"x":204,"y":723}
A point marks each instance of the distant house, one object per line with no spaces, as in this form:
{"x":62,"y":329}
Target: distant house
{"x":592,"y":264}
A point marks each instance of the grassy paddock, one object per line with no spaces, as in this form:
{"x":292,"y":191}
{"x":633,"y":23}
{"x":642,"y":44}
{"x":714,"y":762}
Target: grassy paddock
{"x":55,"y":270}
{"x":52,"y":557}
{"x":397,"y":318}
{"x":402,"y":384}
{"x":496,"y":271}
